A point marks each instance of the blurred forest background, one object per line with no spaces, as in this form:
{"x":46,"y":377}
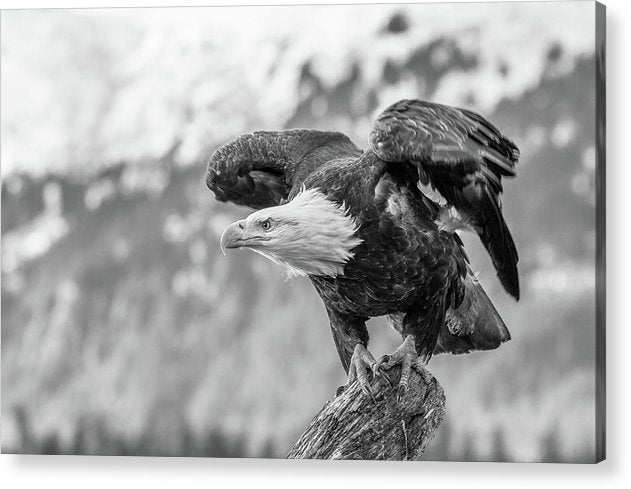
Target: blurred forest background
{"x":124,"y":329}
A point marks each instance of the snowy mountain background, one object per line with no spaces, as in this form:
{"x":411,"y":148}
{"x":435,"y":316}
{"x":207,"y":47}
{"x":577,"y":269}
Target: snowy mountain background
{"x":124,"y":329}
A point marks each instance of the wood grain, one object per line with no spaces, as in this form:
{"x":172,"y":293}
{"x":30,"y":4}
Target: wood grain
{"x":352,"y":426}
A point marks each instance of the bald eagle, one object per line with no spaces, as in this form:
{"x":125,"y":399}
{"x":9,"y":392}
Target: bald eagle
{"x":376,"y":231}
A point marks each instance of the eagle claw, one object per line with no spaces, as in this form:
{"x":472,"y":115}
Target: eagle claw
{"x":407,"y":357}
{"x":361,"y":363}
{"x":367,"y":390}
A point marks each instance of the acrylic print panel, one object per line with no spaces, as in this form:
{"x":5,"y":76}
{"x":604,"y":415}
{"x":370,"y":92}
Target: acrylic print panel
{"x":126,"y":331}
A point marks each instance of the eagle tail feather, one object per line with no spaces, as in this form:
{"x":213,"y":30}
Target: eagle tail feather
{"x":474,"y":325}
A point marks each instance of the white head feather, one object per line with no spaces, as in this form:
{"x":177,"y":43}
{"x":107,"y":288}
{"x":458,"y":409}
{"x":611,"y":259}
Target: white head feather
{"x":310,"y":235}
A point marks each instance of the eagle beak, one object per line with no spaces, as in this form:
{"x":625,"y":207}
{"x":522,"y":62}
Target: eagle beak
{"x":232,"y":235}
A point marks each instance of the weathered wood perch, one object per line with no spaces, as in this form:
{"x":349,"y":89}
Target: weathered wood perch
{"x":352,"y":426}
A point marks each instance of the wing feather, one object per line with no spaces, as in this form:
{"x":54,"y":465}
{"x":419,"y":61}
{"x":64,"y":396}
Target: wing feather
{"x":260,"y":169}
{"x":464,"y":157}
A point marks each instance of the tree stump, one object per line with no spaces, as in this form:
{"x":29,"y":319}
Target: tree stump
{"x":352,"y":426}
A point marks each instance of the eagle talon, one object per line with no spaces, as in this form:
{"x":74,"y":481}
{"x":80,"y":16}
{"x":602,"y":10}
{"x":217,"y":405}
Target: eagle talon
{"x":381,"y":375}
{"x":383,"y":363}
{"x":405,"y":356}
{"x":362,"y":362}
{"x":384,"y":376}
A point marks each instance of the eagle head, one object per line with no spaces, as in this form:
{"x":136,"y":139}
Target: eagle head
{"x":310,"y":235}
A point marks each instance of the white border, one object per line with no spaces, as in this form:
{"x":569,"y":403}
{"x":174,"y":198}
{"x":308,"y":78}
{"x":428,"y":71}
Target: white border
{"x":66,"y":472}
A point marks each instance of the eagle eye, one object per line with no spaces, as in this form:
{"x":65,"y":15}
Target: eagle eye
{"x":266,"y":225}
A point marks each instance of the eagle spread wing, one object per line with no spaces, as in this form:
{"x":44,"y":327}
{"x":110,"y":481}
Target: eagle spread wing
{"x":260,"y":169}
{"x":462,"y":156}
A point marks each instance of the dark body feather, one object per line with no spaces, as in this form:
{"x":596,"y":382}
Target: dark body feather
{"x":404,"y":263}
{"x":406,"y":267}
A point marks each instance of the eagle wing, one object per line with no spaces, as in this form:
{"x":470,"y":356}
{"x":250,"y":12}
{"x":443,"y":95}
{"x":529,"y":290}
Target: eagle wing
{"x":260,"y":169}
{"x":462,"y":156}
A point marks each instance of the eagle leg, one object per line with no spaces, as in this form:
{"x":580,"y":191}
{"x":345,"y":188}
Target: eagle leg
{"x":362,"y":362}
{"x":406,"y":356}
